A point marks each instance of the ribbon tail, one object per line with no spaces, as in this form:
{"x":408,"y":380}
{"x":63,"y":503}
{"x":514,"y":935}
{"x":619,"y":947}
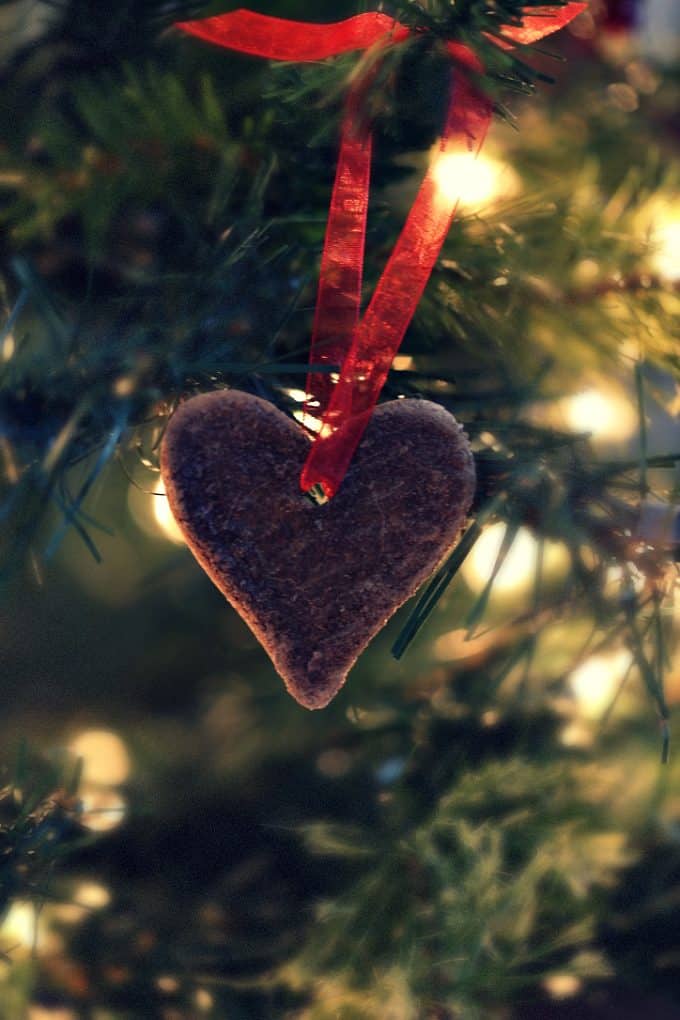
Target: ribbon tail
{"x":339,"y":294}
{"x":280,"y":39}
{"x":537,"y":23}
{"x":379,"y":335}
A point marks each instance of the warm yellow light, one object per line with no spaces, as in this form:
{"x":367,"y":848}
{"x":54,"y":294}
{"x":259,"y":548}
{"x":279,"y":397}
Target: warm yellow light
{"x":164,"y":517}
{"x":92,"y":895}
{"x":21,"y":925}
{"x":105,"y":758}
{"x":666,"y":240}
{"x":403,"y":363}
{"x":309,"y":421}
{"x":298,"y":395}
{"x":102,"y":810}
{"x":203,"y":1000}
{"x":595,"y":682}
{"x":606,"y":415}
{"x":151,"y":511}
{"x":519,"y":567}
{"x":8,"y":348}
{"x":43,"y":1013}
{"x":562,"y":986}
{"x":472,"y":182}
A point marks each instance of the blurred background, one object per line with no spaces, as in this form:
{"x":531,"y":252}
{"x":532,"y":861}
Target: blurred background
{"x":482,"y":828}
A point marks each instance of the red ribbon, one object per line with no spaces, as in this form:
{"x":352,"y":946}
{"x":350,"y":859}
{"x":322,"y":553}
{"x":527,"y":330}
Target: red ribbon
{"x":365,"y":348}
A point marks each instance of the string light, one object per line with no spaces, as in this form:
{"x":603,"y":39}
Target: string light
{"x":606,"y":415}
{"x":475,"y":182}
{"x":92,"y":895}
{"x":666,"y":239}
{"x":163,"y":516}
{"x":595,"y":683}
{"x":562,"y":986}
{"x":106,"y":761}
{"x":21,"y":925}
{"x":102,"y":810}
{"x":151,"y":511}
{"x":519,"y":567}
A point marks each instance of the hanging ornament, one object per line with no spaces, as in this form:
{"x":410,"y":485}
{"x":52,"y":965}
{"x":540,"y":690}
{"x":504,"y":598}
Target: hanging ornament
{"x":315,"y":583}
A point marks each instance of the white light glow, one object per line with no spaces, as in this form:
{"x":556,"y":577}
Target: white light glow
{"x":666,"y":240}
{"x":403,"y":363}
{"x":562,"y":986}
{"x":595,"y":682}
{"x":102,"y":810}
{"x":151,"y":511}
{"x":164,"y":517}
{"x":92,"y":895}
{"x":105,"y":758}
{"x":298,"y":395}
{"x":8,"y":348}
{"x":519,"y":567}
{"x":472,"y":182}
{"x":607,"y":415}
{"x":309,"y":421}
{"x":21,"y":925}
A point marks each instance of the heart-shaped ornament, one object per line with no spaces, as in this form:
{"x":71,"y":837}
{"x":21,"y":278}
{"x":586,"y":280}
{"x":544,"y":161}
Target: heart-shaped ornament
{"x":315,"y":583}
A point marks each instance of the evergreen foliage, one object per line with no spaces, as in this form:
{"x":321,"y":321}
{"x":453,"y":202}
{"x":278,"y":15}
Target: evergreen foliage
{"x":430,"y":847}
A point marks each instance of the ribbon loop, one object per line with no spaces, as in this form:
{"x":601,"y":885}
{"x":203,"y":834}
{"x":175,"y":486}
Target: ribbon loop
{"x":365,"y":348}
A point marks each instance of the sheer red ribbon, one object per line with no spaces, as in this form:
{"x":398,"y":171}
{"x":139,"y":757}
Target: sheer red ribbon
{"x":365,"y":347}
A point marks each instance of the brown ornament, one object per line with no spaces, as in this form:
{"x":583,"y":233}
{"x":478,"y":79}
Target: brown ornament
{"x":315,"y":583}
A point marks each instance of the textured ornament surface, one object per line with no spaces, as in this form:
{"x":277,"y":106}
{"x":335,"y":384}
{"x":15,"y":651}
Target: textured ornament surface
{"x":315,"y":583}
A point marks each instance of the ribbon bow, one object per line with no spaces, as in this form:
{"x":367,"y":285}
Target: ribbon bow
{"x":365,"y":347}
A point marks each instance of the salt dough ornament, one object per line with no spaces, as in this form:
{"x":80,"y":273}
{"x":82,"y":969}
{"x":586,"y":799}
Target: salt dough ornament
{"x":315,"y":583}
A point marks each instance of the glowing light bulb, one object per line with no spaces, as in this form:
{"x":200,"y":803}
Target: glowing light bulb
{"x":102,"y":810}
{"x":151,"y":511}
{"x":298,"y":395}
{"x":562,"y":986}
{"x":519,"y":567}
{"x":203,"y":1000}
{"x":21,"y":925}
{"x":666,"y":258}
{"x":164,"y":517}
{"x":608,"y":416}
{"x":595,"y":682}
{"x":472,"y":182}
{"x":105,"y":758}
{"x":92,"y":895}
{"x":8,"y":347}
{"x":309,"y":421}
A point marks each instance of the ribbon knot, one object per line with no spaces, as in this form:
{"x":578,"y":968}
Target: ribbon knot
{"x":365,"y":347}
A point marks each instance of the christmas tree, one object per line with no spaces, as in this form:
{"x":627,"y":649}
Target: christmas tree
{"x":483,"y":822}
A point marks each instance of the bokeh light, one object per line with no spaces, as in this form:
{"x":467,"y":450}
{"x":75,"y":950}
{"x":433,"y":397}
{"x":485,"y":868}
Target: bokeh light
{"x":106,"y":761}
{"x":26,"y":929}
{"x":21,"y":924}
{"x":666,"y":240}
{"x":473,"y":182}
{"x":92,"y":895}
{"x":519,"y":568}
{"x":151,"y":512}
{"x":596,"y":681}
{"x":607,"y":415}
{"x":102,"y":810}
{"x":562,"y":986}
{"x":36,"y":1012}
